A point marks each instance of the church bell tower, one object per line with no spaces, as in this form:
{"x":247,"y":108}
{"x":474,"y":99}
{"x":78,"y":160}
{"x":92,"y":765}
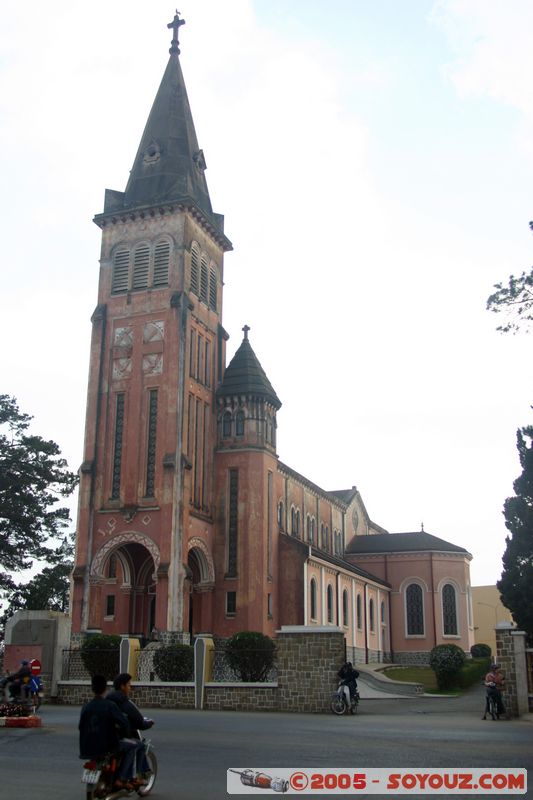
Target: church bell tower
{"x":145,"y":517}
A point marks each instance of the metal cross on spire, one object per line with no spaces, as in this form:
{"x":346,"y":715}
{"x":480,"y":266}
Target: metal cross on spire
{"x":175,"y":25}
{"x":246,"y":329}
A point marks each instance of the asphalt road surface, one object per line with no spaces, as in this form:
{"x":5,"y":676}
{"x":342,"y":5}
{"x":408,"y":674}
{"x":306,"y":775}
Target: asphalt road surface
{"x":195,"y":748}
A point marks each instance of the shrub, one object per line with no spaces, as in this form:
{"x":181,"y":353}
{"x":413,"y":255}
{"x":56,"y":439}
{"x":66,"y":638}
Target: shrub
{"x":472,"y":671}
{"x":446,"y":661}
{"x":251,"y":655}
{"x":174,"y":662}
{"x":100,"y":654}
{"x":480,"y":651}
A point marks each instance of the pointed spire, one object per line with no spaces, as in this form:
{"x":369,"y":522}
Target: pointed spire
{"x":244,"y":375}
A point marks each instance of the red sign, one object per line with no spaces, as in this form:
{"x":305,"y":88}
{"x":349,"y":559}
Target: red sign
{"x":35,"y":666}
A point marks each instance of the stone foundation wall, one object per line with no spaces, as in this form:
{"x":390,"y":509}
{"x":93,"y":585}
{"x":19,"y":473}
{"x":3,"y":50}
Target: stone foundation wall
{"x":147,"y":695}
{"x":241,"y":697}
{"x":418,"y":658}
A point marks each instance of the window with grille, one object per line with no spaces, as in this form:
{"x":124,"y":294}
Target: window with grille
{"x":233,"y":513}
{"x":345,"y":608}
{"x":414,"y":610}
{"x":212,"y":288}
{"x":312,"y":592}
{"x":141,"y":266}
{"x":121,"y":270}
{"x":161,"y":263}
{"x":330,"y":603}
{"x":203,"y":279}
{"x":231,"y":603}
{"x":151,"y":444}
{"x":226,"y":424}
{"x":449,"y":610}
{"x":117,"y":450}
{"x":195,"y":270}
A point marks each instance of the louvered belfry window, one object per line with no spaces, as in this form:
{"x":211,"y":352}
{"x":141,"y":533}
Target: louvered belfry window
{"x":203,"y":279}
{"x":121,"y":269}
{"x":141,"y":266}
{"x":212,"y":288}
{"x":151,"y":443}
{"x":161,"y":263}
{"x":195,"y":270}
{"x":117,"y":451}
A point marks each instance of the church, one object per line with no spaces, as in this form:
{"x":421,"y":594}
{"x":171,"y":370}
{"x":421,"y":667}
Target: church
{"x":188,"y":521}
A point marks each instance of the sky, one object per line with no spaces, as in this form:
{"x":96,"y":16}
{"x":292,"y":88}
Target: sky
{"x":374,"y":163}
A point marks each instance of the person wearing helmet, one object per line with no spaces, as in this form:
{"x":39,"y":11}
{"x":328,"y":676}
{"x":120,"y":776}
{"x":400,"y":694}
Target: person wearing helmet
{"x":18,"y":679}
{"x":348,"y":676}
{"x":494,"y":682}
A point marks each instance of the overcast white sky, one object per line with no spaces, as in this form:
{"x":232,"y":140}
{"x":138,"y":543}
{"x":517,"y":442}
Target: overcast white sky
{"x":374,"y":161}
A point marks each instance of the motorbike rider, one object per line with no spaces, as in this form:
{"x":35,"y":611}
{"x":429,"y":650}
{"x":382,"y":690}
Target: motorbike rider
{"x":136,"y":722}
{"x":494,"y":682}
{"x":348,"y":676}
{"x":18,"y":679}
{"x":101,"y":725}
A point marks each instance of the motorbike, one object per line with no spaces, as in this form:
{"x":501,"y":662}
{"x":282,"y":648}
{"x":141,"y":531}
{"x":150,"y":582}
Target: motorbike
{"x":29,"y":695}
{"x":99,"y":776}
{"x":342,"y":702}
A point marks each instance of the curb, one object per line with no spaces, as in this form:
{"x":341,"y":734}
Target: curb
{"x":20,"y":722}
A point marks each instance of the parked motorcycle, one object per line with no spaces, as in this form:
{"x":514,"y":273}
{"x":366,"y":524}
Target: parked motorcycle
{"x":99,"y":777}
{"x":342,"y":702}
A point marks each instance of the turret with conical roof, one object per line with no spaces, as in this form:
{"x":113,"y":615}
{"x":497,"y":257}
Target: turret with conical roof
{"x":247,"y":401}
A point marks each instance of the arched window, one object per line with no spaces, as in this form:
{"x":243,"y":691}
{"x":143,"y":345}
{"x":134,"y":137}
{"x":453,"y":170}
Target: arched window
{"x":383,"y":612}
{"x":141,"y":266}
{"x":312,"y":531}
{"x":161,"y":263}
{"x":298,"y":522}
{"x":322,"y":540}
{"x":273,"y":432}
{"x":195,"y":270}
{"x":414,"y":610}
{"x":328,"y":542}
{"x":359,"y":612}
{"x":121,"y":270}
{"x":226,"y":424}
{"x":330,"y":602}
{"x":449,"y":610}
{"x":345,"y":608}
{"x":308,"y":527}
{"x":239,"y":423}
{"x":280,"y":515}
{"x":112,"y":566}
{"x":293,"y":521}
{"x":371,"y":614}
{"x":312,"y":593}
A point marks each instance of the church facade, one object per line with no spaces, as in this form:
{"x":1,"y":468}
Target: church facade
{"x":188,"y":521}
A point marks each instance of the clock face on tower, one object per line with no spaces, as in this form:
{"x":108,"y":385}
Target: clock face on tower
{"x":355,"y":519}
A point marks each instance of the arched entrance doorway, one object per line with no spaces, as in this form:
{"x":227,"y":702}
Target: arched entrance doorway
{"x":124,"y":595}
{"x":202,"y":583}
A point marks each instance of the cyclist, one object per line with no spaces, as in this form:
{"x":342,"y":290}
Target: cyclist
{"x":494,"y":681}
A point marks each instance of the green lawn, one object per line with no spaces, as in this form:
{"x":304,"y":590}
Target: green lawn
{"x":423,"y":675}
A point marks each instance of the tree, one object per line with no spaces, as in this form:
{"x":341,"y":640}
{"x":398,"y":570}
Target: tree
{"x":516,"y":583}
{"x":33,"y":477}
{"x":516,"y":299}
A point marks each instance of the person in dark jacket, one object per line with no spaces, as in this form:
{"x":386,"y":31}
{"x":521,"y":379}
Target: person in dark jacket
{"x":101,"y":727}
{"x":136,"y":722}
{"x":18,"y":680}
{"x":349,"y":675}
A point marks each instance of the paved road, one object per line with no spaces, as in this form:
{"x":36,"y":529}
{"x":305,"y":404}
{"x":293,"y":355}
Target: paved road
{"x":195,"y":748}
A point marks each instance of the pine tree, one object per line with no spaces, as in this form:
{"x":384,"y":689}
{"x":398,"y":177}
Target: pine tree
{"x":516,"y":583}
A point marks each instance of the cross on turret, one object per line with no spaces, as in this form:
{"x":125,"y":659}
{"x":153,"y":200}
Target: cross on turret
{"x":175,"y":25}
{"x":246,"y":329}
